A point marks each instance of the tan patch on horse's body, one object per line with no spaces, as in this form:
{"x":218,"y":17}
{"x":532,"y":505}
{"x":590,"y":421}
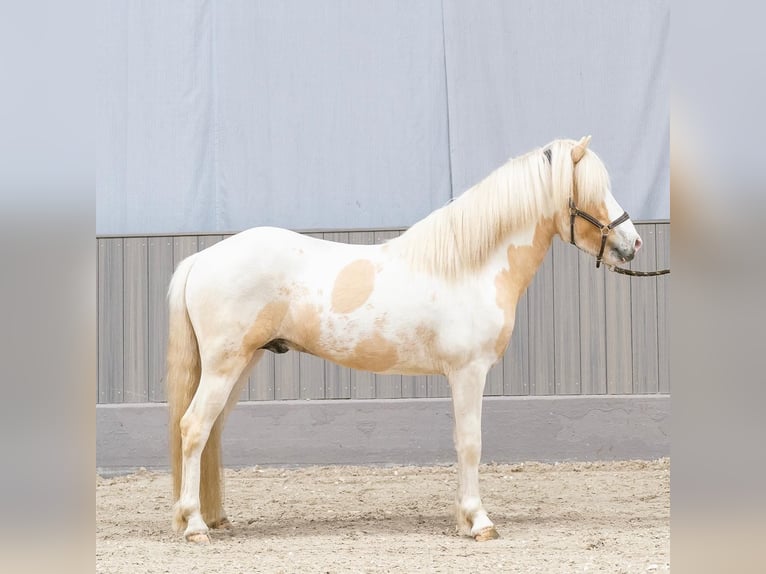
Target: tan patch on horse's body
{"x":266,"y":325}
{"x":511,"y":282}
{"x":353,"y":286}
{"x":506,"y":288}
{"x":306,"y":327}
{"x":374,"y":353}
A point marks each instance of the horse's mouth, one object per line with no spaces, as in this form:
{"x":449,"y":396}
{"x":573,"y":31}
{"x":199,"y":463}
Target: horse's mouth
{"x":619,"y":257}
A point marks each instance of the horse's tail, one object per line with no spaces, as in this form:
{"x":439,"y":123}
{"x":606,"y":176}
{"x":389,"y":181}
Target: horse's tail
{"x":183,"y":376}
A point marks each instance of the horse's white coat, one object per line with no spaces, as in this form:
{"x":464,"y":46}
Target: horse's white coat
{"x":370,"y":307}
{"x":625,"y":233}
{"x":403,"y":305}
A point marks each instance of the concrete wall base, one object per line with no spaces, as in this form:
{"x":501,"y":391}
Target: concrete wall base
{"x":399,"y":431}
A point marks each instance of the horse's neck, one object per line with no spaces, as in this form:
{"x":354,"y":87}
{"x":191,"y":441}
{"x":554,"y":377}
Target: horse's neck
{"x":521,"y":253}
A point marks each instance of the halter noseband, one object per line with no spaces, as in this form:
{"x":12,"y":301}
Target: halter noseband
{"x":605,"y":229}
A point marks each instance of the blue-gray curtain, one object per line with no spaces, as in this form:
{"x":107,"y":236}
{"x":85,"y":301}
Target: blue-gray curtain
{"x":219,"y":116}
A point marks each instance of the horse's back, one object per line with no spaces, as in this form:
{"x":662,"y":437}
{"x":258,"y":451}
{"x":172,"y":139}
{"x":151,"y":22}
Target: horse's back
{"x":280,"y":242}
{"x":269,"y":258}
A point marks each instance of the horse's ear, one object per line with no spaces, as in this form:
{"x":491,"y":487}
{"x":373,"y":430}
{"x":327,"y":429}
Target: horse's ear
{"x":579,"y":149}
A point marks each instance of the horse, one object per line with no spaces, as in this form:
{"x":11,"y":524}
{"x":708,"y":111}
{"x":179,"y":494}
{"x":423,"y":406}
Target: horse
{"x":439,"y":299}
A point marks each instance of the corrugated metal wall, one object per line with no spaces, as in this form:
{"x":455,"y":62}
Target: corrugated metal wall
{"x":578,"y":330}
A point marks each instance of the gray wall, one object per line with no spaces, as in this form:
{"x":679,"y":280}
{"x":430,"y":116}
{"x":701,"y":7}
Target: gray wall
{"x":404,"y":431}
{"x":578,"y":330}
{"x":218,"y":116}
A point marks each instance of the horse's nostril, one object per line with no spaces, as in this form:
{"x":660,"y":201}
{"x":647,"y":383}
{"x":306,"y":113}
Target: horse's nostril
{"x":638,"y":244}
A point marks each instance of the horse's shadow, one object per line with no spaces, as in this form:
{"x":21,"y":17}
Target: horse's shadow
{"x":438,"y":524}
{"x":299,"y":526}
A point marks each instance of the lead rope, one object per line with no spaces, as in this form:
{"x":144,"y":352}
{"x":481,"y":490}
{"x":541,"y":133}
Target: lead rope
{"x":624,"y":271}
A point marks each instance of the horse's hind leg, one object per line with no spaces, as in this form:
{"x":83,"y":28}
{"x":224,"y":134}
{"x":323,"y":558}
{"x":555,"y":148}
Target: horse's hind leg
{"x":216,"y":519}
{"x":217,"y":382}
{"x":221,"y":521}
{"x":467,"y":387}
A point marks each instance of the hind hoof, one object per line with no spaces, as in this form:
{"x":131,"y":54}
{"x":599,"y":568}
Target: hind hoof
{"x":221,"y":524}
{"x":198,"y":538}
{"x":488,"y":533}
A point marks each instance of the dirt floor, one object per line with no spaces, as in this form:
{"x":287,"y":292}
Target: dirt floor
{"x":573,"y":517}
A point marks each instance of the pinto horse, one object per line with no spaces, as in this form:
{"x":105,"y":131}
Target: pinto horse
{"x":439,"y":299}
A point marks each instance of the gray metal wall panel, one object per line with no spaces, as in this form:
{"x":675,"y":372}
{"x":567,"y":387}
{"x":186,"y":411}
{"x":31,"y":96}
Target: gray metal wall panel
{"x":437,"y":386}
{"x":566,"y":313}
{"x":414,"y":387}
{"x":643,"y":299}
{"x":578,"y":330}
{"x":110,"y":320}
{"x":495,"y":380}
{"x":663,"y":306}
{"x":287,"y":376}
{"x":516,"y":358}
{"x":592,"y":327}
{"x":619,"y":345}
{"x":136,"y":323}
{"x":262,"y":379}
{"x":160,"y":258}
{"x":541,"y":326}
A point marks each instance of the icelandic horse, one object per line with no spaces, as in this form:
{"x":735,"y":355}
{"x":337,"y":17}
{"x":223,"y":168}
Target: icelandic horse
{"x":439,"y":299}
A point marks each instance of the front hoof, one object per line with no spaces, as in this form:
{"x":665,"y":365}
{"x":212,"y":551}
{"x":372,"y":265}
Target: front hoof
{"x":198,"y":538}
{"x":488,"y":533}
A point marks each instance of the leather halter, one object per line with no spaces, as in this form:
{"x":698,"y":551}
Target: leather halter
{"x":605,"y":229}
{"x":574,"y":212}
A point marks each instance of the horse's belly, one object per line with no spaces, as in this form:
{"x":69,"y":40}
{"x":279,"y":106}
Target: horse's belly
{"x":390,"y":340}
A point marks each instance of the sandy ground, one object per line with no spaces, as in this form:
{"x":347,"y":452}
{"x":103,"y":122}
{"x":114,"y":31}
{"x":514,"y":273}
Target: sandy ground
{"x":573,"y":517}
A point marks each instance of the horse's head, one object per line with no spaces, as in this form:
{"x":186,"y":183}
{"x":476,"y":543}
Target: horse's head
{"x":593,"y":220}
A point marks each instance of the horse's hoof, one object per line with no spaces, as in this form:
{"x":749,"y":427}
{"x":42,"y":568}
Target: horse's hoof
{"x":488,"y":533}
{"x":222,"y":524}
{"x":198,"y":538}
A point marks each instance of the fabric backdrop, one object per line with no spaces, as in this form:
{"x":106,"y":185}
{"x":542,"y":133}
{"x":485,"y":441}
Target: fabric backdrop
{"x":219,"y":116}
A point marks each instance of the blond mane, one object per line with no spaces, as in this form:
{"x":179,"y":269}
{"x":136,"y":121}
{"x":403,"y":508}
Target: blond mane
{"x":459,"y":237}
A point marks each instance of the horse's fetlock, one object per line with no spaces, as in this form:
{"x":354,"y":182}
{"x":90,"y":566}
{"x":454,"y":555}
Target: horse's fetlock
{"x":180,"y":515}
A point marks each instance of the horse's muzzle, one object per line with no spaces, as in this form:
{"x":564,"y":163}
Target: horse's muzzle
{"x":627,"y":253}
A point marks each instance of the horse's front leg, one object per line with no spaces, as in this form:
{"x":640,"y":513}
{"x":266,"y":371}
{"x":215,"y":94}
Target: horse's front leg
{"x":467,"y":388}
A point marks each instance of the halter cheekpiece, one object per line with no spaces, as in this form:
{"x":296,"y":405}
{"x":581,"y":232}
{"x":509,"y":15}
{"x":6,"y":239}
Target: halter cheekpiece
{"x":605,"y":229}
